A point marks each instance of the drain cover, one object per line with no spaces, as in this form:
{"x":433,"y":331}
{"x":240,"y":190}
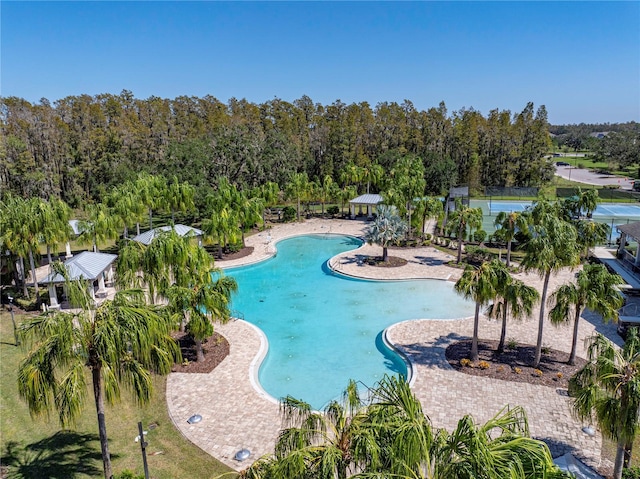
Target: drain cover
{"x":194,"y":419}
{"x":242,"y":454}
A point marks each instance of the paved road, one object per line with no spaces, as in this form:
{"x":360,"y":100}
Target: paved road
{"x":583,"y":175}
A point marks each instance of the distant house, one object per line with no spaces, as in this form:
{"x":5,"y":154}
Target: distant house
{"x":599,"y":134}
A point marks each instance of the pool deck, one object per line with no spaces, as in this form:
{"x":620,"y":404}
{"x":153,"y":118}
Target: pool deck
{"x":236,"y":414}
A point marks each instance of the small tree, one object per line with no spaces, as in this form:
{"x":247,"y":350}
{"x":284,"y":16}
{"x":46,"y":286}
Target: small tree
{"x":461,"y":220}
{"x":386,"y":228}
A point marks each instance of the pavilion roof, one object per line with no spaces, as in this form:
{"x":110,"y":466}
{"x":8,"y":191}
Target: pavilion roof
{"x":86,"y":265}
{"x":630,"y":229}
{"x":147,"y":237}
{"x":368,"y":199}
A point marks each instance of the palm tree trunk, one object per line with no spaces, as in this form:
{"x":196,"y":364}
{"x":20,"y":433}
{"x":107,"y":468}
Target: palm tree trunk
{"x":503,"y":331}
{"x":543,"y":301}
{"x":385,"y":255}
{"x":508,"y":253}
{"x":574,"y":342}
{"x":199,"y":350}
{"x":102,"y":425}
{"x":459,"y":246}
{"x":49,"y":255}
{"x":619,"y":461}
{"x":23,"y":272}
{"x":138,"y":229}
{"x":32,"y":263}
{"x":474,"y":341}
{"x":298,"y":209}
{"x":150,"y":219}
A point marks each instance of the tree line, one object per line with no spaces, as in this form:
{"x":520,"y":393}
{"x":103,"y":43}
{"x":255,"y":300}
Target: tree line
{"x":79,"y":147}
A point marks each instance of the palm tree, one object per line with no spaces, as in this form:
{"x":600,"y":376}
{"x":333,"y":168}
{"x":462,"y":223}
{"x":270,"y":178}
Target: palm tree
{"x":201,"y":303}
{"x":326,"y":191}
{"x":387,"y":228}
{"x":152,"y":191}
{"x":606,"y":390}
{"x":462,"y":219}
{"x":391,"y":437}
{"x":595,"y":288}
{"x":551,"y":245}
{"x":100,"y":226}
{"x":120,"y":342}
{"x":591,"y":233}
{"x":508,"y":224}
{"x":269,"y":192}
{"x":249,"y":212}
{"x":481,"y":285}
{"x":331,"y":444}
{"x":516,"y":299}
{"x":127,"y":206}
{"x":178,"y":197}
{"x":298,"y":189}
{"x":428,"y":207}
{"x":55,"y":228}
{"x":21,"y":227}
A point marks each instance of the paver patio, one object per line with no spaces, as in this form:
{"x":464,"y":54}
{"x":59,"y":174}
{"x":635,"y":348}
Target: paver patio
{"x":238,"y":414}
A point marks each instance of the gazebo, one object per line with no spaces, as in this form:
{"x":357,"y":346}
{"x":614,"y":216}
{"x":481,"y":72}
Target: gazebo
{"x":631,"y":230}
{"x":88,"y":266}
{"x":369,"y":200}
{"x":147,"y":237}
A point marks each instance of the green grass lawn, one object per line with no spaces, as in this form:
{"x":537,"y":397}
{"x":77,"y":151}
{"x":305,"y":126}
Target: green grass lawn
{"x":36,"y":448}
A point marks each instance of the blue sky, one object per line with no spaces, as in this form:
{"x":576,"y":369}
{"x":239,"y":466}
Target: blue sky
{"x":580,"y":59}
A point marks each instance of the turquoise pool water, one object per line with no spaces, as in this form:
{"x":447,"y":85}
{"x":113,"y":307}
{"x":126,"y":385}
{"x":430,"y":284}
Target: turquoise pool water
{"x":324,"y":329}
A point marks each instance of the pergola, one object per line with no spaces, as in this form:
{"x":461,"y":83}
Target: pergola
{"x":147,"y":237}
{"x":87,"y":266}
{"x":631,"y":230}
{"x":369,"y":200}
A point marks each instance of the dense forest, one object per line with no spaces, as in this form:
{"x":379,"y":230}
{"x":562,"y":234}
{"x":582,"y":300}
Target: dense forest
{"x":80,"y":147}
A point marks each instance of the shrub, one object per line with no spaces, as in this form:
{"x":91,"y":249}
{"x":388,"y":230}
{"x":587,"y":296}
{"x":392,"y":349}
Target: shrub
{"x":479,"y":236}
{"x":500,"y":368}
{"x":559,"y":375}
{"x":537,"y":372}
{"x":512,"y":344}
{"x":288,"y":214}
{"x":517,"y":370}
{"x":475,"y":254}
{"x":333,"y":210}
{"x":631,"y":473}
{"x":127,"y":474}
{"x":484,"y":365}
{"x":466,"y":363}
{"x":546,"y":350}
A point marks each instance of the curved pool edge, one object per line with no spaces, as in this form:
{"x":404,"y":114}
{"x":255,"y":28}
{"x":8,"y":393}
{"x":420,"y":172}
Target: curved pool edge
{"x":256,"y":362}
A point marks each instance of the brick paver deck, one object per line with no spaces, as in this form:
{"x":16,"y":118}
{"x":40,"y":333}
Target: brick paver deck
{"x":238,"y":414}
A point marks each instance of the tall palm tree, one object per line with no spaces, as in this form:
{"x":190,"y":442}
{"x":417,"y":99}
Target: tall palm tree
{"x":514,"y":298}
{"x":99,"y":226}
{"x":55,"y":224}
{"x":249,"y":212}
{"x":461,"y":220}
{"x":591,"y":233}
{"x":606,"y":390}
{"x":201,"y":303}
{"x":120,"y":342}
{"x":551,"y":246}
{"x":387,"y":228}
{"x":298,"y":189}
{"x":595,"y":288}
{"x":481,"y":285}
{"x":127,"y":206}
{"x":326,"y":191}
{"x":178,"y":197}
{"x":428,"y":207}
{"x":508,"y":224}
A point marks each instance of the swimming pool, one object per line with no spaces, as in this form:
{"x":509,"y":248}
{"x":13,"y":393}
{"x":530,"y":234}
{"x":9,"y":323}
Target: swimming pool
{"x":324,"y":329}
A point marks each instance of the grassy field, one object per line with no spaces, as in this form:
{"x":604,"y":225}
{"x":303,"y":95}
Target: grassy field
{"x":36,"y":448}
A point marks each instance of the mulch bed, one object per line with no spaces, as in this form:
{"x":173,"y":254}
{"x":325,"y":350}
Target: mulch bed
{"x":515,"y":364}
{"x":392,"y":261}
{"x":246,"y":251}
{"x":216,"y":348}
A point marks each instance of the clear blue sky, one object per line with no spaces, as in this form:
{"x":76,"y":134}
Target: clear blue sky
{"x":580,"y":59}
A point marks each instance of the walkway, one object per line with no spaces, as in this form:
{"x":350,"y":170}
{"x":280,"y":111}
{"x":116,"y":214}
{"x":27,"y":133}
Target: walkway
{"x":236,"y":414}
